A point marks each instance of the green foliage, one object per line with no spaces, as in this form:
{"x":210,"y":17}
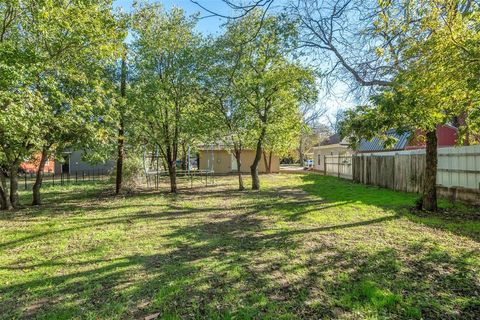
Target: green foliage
{"x":133,"y":172}
{"x":54,"y":94}
{"x":269,"y":84}
{"x":164,"y":89}
{"x":438,"y":79}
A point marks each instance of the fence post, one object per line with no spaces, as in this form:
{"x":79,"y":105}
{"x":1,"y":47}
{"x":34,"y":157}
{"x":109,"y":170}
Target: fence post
{"x":353,"y":168}
{"x":25,"y":176}
{"x":76,"y":176}
{"x":338,"y":166}
{"x":324,"y":164}
{"x":393,"y":169}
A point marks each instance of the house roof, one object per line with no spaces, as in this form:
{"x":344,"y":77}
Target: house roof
{"x":377,"y":144}
{"x":215,"y":146}
{"x":334,"y":139}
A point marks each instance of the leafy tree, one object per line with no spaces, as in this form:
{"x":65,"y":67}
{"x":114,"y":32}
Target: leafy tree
{"x":122,"y":112}
{"x":227,"y":119}
{"x":20,"y":116}
{"x":166,"y":79}
{"x":313,"y":135}
{"x":53,"y":55}
{"x":273,"y":84}
{"x":21,"y":108}
{"x":437,"y":82}
{"x":281,"y":138}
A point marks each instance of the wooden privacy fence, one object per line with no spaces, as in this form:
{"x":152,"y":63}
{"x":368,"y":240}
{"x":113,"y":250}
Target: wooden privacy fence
{"x":458,"y":168}
{"x":398,"y":172}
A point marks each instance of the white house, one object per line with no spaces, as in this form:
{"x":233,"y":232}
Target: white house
{"x":334,"y":145}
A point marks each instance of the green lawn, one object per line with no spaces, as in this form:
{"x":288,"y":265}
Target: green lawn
{"x":307,"y":246}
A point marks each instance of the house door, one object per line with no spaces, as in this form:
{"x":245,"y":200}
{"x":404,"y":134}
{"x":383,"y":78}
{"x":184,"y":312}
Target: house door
{"x":66,"y":163}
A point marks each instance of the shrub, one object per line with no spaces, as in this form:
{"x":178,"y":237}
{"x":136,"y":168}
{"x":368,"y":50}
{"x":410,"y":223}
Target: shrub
{"x":133,"y":173}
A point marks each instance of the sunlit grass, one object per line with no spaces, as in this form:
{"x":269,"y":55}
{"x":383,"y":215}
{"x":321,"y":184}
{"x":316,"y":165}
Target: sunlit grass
{"x":306,"y":246}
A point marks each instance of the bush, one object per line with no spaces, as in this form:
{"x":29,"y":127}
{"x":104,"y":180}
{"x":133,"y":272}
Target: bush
{"x":133,"y":173}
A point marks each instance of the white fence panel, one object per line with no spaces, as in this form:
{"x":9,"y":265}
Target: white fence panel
{"x":459,"y":167}
{"x":339,"y":166}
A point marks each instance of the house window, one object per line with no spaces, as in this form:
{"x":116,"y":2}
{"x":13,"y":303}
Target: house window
{"x":319,"y":159}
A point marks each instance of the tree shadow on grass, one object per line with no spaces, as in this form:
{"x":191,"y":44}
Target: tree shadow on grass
{"x":459,"y":219}
{"x":238,"y":266}
{"x":235,"y":262}
{"x":168,"y":212}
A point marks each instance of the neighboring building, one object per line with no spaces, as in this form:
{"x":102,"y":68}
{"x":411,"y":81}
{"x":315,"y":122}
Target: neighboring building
{"x":333,"y":145}
{"x":447,"y":137}
{"x":31,"y":166}
{"x":72,"y":163}
{"x":221,"y":161}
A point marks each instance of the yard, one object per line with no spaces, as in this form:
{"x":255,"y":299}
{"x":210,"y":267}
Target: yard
{"x":306,"y":246}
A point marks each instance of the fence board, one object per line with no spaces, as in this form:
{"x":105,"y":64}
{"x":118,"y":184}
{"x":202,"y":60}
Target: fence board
{"x":405,"y":170}
{"x":339,"y":165}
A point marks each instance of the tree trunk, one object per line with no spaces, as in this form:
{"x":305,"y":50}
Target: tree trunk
{"x":184,"y":156}
{"x":265,"y":161}
{"x":301,"y":155}
{"x":258,"y":156}
{"x":172,"y":172}
{"x":120,"y":154}
{"x":270,"y":154}
{"x":268,"y":161}
{"x":37,"y":199}
{"x":429,"y":200}
{"x":4,"y":198}
{"x":238,"y":155}
{"x":121,"y":129}
{"x":14,"y":200}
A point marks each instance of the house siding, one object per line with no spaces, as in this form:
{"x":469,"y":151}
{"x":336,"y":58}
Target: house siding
{"x":78,"y":165}
{"x":320,"y":152}
{"x":222,"y":161}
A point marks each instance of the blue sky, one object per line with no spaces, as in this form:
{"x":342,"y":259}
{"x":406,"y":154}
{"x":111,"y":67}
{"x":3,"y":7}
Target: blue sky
{"x":209,"y":25}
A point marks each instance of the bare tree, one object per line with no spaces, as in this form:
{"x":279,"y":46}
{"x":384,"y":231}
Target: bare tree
{"x":241,"y":9}
{"x":337,"y":31}
{"x":335,"y":120}
{"x":310,"y":117}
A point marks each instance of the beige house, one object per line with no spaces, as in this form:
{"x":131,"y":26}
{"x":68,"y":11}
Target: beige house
{"x":221,"y":161}
{"x":332,"y":146}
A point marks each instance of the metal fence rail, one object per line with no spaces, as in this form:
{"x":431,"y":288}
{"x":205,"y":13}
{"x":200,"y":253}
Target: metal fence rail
{"x":153,"y":178}
{"x":27,"y":180}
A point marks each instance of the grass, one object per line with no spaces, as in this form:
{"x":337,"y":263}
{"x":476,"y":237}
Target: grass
{"x":306,"y":246}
